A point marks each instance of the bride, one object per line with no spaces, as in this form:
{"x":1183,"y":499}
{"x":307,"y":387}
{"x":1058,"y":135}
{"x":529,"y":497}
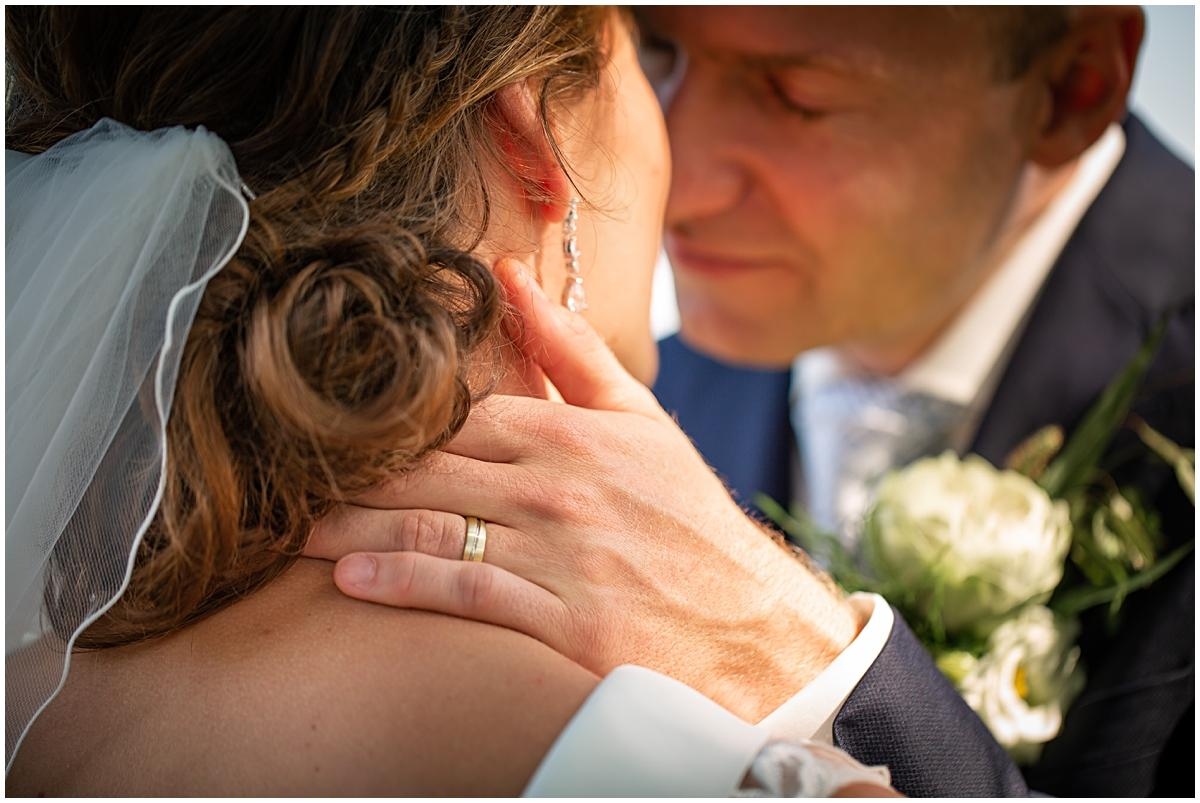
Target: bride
{"x":245,"y":277}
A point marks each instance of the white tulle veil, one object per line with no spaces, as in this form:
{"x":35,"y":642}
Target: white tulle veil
{"x":110,"y":239}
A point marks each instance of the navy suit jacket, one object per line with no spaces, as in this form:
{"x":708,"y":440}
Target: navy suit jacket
{"x":1129,"y":263}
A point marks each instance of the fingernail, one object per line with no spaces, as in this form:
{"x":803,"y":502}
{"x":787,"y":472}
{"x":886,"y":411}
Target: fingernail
{"x":520,"y":273}
{"x":575,"y":321}
{"x":532,"y":283}
{"x":358,"y":570}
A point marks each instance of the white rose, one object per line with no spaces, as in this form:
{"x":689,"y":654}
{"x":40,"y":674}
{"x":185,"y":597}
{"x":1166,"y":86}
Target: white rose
{"x":1024,"y":683}
{"x":993,"y":540}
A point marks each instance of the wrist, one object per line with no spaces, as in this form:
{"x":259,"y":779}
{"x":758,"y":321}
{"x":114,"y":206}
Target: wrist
{"x":815,"y":611}
{"x":817,"y":623}
{"x":804,"y":623}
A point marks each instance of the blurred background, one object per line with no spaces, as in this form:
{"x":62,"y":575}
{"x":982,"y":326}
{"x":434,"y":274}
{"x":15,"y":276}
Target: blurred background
{"x":1164,"y":96}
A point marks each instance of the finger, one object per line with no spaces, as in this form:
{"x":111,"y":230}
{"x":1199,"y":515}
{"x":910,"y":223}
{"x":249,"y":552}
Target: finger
{"x":478,"y":591}
{"x":453,"y":483}
{"x":350,"y":528}
{"x":509,"y":429}
{"x":491,"y":431}
{"x":573,"y":356}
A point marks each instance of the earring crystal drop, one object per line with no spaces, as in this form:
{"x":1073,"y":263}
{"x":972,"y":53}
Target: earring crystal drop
{"x":574,"y":297}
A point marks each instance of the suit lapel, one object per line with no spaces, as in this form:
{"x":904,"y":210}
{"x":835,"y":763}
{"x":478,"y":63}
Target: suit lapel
{"x":1119,"y":272}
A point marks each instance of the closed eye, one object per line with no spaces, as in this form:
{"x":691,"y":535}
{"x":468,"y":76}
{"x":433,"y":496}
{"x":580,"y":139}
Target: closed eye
{"x":784,"y":93}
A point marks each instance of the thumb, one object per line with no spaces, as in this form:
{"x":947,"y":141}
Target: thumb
{"x":570,"y":352}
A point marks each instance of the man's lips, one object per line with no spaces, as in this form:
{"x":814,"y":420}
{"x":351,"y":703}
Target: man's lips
{"x":709,"y":263}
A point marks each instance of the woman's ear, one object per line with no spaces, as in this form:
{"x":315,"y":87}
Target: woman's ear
{"x":525,"y":147}
{"x":1087,"y":76}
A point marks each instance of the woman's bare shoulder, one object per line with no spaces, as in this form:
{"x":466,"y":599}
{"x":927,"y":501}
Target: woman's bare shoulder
{"x":471,"y":708}
{"x":298,"y":690}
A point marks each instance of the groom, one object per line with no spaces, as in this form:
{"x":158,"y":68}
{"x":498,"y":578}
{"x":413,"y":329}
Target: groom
{"x":857,"y":187}
{"x":946,"y":207}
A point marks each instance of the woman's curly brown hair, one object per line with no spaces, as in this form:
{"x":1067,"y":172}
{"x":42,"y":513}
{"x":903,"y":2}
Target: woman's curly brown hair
{"x":334,"y":348}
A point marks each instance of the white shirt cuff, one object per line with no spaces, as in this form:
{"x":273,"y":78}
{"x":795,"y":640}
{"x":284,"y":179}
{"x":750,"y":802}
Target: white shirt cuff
{"x":643,"y":734}
{"x":809,"y":714}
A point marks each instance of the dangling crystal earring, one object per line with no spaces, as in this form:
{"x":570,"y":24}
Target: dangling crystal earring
{"x":574,"y":298}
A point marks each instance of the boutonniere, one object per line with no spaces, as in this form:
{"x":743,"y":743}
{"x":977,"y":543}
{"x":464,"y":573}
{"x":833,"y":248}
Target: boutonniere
{"x":991,"y":567}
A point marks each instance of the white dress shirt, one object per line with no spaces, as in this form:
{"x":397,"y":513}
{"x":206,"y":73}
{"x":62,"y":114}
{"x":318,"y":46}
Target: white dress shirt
{"x":963,"y":366}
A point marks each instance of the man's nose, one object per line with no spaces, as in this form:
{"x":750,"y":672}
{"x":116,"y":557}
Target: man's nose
{"x":705,"y":177}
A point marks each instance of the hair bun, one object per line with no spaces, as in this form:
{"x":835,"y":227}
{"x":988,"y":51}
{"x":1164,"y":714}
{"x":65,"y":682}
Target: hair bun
{"x":358,"y":357}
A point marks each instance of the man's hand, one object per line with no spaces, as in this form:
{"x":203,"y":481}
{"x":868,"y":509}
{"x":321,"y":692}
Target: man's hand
{"x":609,"y":538}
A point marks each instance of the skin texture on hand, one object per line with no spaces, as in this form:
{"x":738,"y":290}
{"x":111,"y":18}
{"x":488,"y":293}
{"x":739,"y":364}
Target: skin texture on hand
{"x":609,"y":538}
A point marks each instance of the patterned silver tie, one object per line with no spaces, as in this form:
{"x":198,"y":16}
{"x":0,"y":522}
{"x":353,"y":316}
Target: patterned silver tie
{"x":852,"y":430}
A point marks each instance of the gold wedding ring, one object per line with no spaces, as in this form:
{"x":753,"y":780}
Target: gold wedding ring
{"x":476,"y":539}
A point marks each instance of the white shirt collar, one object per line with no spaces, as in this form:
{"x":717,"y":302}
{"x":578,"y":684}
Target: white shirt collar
{"x":964,"y":363}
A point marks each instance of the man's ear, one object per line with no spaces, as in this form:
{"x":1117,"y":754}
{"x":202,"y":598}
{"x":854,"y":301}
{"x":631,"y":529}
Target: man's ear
{"x":525,"y":148}
{"x":1087,"y":75}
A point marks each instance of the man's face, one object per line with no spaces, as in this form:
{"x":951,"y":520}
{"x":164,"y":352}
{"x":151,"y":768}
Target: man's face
{"x":840,"y":173}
